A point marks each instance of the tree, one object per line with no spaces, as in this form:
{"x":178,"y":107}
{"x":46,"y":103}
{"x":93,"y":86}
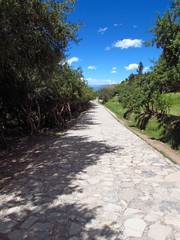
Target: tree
{"x":140,"y":68}
{"x":131,"y":77}
{"x":105,"y":94}
{"x":35,"y":35}
{"x":34,"y":87}
{"x":167,"y":77}
{"x":166,"y":32}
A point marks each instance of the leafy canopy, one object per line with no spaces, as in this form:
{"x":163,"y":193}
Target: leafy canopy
{"x":166,"y":32}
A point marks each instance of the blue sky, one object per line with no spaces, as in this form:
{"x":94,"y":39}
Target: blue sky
{"x":112,"y":36}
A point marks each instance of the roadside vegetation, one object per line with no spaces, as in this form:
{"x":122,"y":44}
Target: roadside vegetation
{"x":38,"y":89}
{"x":151,"y":101}
{"x":154,"y":127}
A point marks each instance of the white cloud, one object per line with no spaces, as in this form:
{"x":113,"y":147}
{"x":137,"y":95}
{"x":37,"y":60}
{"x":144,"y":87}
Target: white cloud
{"x":116,"y":24}
{"x":102,"y":30}
{"x":73,"y":59}
{"x":92,"y":67}
{"x":126,"y":43}
{"x":131,"y":66}
{"x":135,"y":26}
{"x":96,"y":81}
{"x":114,"y":70}
{"x":134,"y":66}
{"x":107,"y":48}
{"x":146,"y":69}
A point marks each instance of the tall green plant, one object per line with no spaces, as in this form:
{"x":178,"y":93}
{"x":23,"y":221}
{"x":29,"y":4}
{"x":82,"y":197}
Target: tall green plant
{"x":35,"y":90}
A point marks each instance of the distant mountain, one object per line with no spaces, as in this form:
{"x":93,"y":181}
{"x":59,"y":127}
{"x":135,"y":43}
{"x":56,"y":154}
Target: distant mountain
{"x":97,"y":87}
{"x":110,"y":86}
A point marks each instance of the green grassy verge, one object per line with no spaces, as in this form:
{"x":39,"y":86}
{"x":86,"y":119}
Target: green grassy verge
{"x":174,"y":99}
{"x":156,"y":128}
{"x":117,"y":108}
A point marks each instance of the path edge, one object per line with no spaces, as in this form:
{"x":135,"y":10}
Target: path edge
{"x":170,"y":155}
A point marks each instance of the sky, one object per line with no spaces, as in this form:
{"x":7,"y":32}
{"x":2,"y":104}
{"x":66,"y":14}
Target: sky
{"x":112,"y":38}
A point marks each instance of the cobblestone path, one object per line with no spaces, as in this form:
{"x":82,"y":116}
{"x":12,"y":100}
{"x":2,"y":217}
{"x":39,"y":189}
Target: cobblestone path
{"x":97,"y":181}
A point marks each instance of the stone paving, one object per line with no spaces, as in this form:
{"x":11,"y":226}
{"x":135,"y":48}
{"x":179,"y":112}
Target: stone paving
{"x":97,"y":181}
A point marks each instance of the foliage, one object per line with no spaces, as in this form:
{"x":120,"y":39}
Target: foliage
{"x":146,"y":96}
{"x":168,"y":76}
{"x":105,"y":94}
{"x":171,"y":127}
{"x":140,"y":68}
{"x":37,"y":90}
{"x":166,"y":33}
{"x":35,"y":36}
{"x":144,"y":91}
{"x":174,"y":99}
{"x":161,"y":127}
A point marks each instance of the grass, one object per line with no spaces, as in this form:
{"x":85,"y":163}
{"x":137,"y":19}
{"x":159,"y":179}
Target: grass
{"x":114,"y":99}
{"x":116,"y":107}
{"x":154,"y":127}
{"x":174,"y":99}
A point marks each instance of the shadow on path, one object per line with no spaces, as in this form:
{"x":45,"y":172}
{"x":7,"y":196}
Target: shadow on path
{"x":44,"y":189}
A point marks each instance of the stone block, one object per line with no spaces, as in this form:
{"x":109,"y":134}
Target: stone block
{"x":134,"y":227}
{"x":29,"y":222}
{"x":158,"y":231}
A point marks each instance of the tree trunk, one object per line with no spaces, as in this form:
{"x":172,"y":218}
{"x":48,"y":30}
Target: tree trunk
{"x":2,"y":135}
{"x":69,"y":110}
{"x":39,"y":114}
{"x":55,"y":117}
{"x":28,"y":115}
{"x":61,"y":118}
